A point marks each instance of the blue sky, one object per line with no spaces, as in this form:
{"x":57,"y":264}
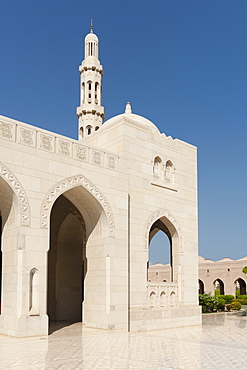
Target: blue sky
{"x":182,"y":64}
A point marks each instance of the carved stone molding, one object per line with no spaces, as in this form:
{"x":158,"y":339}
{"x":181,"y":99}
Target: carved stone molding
{"x":70,"y":183}
{"x":27,"y":137}
{"x":97,"y":157}
{"x":64,"y":147}
{"x":7,"y":131}
{"x":15,"y":185}
{"x":111,"y":162}
{"x":162,"y":212}
{"x":81,"y":153}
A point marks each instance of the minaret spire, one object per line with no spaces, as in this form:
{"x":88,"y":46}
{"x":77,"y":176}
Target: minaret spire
{"x":90,"y":113}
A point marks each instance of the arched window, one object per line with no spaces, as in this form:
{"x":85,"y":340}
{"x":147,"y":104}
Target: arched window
{"x":81,"y":133}
{"x":96,"y":128}
{"x":172,"y":299}
{"x":152,"y":299}
{"x":162,"y":299}
{"x":240,"y":287}
{"x":83,"y":93}
{"x":218,"y":287}
{"x":89,"y":130}
{"x":157,"y":167}
{"x":200,"y":287}
{"x":96,"y":92}
{"x":169,"y":171}
{"x":34,"y":294}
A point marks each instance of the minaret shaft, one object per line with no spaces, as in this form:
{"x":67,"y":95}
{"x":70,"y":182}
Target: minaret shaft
{"x":90,"y":112}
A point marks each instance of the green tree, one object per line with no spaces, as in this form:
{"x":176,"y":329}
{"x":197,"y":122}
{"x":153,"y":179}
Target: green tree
{"x":244,"y":270}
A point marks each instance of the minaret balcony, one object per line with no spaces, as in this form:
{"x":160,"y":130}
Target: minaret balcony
{"x":87,"y":108}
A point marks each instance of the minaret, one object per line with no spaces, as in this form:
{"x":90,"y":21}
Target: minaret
{"x":90,"y":113}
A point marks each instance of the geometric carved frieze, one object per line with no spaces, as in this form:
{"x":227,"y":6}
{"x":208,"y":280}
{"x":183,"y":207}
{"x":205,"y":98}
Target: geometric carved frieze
{"x":26,"y":136}
{"x":46,"y":142}
{"x":64,"y":147}
{"x":162,"y":212}
{"x":81,"y":153}
{"x":59,"y":145}
{"x":97,"y":158}
{"x":19,"y":192}
{"x":111,"y":162}
{"x":70,"y":183}
{"x":7,"y":131}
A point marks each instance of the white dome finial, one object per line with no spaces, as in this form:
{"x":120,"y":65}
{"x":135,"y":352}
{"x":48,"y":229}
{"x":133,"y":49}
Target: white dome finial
{"x":128,"y":109}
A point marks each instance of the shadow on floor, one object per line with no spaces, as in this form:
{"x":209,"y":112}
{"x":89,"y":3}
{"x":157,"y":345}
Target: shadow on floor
{"x":57,"y":325}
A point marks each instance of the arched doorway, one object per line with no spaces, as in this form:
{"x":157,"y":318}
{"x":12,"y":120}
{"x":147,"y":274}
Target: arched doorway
{"x":78,"y":231}
{"x":219,"y":287}
{"x":201,"y":287}
{"x":66,"y":262}
{"x":7,"y":218}
{"x":240,"y":287}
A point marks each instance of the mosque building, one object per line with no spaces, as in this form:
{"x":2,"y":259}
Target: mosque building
{"x":77,"y":217}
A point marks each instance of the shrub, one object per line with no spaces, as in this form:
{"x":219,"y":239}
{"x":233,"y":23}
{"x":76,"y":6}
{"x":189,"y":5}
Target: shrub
{"x":228,"y":307}
{"x":235,"y":306}
{"x":242,"y":297}
{"x":242,"y":301}
{"x":208,"y":302}
{"x":204,"y":309}
{"x":228,"y":298}
{"x":221,"y":304}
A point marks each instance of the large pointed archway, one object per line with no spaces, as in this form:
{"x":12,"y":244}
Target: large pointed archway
{"x":79,"y":227}
{"x":66,"y":262}
{"x":8,"y":219}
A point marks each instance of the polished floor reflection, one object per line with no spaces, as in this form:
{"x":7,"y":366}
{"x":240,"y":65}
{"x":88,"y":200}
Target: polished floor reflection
{"x":220,"y":343}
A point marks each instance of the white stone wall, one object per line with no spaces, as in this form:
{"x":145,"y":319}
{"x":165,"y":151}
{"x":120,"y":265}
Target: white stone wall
{"x":109,"y":177}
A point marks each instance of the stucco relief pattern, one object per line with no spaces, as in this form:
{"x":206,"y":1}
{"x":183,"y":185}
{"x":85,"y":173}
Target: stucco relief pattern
{"x":64,"y":147}
{"x":26,"y":136}
{"x":156,"y":216}
{"x":97,"y":158}
{"x":111,"y":162}
{"x":46,"y":142}
{"x":82,"y":153}
{"x":19,"y":192}
{"x":7,"y":131}
{"x":67,"y":184}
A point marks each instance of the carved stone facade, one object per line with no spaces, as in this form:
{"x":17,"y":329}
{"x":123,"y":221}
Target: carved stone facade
{"x":78,"y":215}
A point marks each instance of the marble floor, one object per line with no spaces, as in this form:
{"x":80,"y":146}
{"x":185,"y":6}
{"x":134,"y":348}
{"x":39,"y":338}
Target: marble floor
{"x":220,"y":343}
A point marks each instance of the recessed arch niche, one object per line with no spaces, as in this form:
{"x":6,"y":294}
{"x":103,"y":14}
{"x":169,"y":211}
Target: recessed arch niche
{"x":160,"y":222}
{"x":77,"y":221}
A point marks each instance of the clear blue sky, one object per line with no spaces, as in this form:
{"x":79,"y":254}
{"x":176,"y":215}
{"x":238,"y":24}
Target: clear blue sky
{"x":182,"y":64}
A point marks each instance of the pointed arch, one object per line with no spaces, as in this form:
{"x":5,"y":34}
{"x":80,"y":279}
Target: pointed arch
{"x":67,"y":184}
{"x":200,"y":286}
{"x":162,"y":212}
{"x":157,"y":167}
{"x":240,"y":284}
{"x":219,"y":285}
{"x":19,"y":191}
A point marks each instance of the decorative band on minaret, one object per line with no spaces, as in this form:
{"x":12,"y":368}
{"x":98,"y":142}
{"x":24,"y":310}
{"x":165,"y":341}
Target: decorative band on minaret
{"x":90,"y":113}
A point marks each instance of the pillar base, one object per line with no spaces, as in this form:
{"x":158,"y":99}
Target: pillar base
{"x":24,"y":326}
